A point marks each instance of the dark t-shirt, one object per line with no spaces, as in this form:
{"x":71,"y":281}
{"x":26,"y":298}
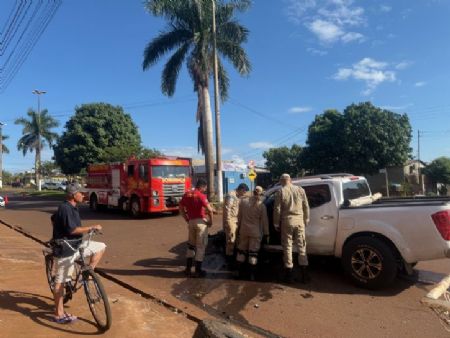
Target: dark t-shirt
{"x":65,"y":220}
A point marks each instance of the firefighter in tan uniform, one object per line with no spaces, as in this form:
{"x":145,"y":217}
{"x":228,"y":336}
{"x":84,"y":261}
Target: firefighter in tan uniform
{"x":230,"y":220}
{"x":253,"y":225}
{"x":291,"y":213}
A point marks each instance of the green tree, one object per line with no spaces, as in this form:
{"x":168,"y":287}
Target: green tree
{"x":48,"y":167}
{"x":119,"y":154}
{"x":284,"y":160}
{"x":149,"y":153}
{"x":36,"y":134}
{"x":4,"y":147}
{"x":189,"y":36}
{"x":6,"y":177}
{"x":362,"y":140}
{"x":96,"y":130}
{"x":438,"y":171}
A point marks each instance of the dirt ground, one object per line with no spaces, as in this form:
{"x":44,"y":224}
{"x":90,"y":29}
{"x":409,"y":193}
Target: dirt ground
{"x":149,"y":254}
{"x":26,"y":305}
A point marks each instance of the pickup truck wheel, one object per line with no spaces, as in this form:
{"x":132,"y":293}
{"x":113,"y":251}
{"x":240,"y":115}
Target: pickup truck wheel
{"x":369,"y":262}
{"x":93,"y":203}
{"x":135,"y":207}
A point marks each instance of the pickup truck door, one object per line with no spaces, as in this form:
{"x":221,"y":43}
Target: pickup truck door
{"x":322,"y":228}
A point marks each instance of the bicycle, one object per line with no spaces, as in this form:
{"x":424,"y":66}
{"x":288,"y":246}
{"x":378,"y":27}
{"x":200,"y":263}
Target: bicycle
{"x":83,"y":276}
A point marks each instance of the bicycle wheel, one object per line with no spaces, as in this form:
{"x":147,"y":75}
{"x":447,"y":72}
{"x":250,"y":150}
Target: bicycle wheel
{"x":97,"y":299}
{"x":49,"y":272}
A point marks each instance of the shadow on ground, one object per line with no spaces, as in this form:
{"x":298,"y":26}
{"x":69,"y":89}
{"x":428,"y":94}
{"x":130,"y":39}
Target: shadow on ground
{"x":39,"y":309}
{"x":327,"y":276}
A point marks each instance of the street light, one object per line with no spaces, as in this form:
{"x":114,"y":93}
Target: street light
{"x":1,"y":154}
{"x":38,"y":150}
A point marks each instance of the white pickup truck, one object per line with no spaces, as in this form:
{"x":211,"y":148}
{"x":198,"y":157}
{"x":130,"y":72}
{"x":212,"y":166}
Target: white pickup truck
{"x":375,"y":238}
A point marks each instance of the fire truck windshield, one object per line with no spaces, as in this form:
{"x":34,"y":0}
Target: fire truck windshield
{"x":170,"y":171}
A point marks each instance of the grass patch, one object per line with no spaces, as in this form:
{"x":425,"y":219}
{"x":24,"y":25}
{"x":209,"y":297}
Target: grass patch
{"x":53,"y":194}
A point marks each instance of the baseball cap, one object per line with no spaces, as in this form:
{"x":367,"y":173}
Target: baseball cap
{"x":258,"y":189}
{"x":285,"y":177}
{"x":73,"y":188}
{"x":243,"y":186}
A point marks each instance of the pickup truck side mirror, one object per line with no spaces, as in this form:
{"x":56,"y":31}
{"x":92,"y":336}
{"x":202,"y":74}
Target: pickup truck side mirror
{"x":346,"y":203}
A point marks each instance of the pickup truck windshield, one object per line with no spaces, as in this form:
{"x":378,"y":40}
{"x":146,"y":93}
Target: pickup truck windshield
{"x":355,"y":189}
{"x":169,"y":171}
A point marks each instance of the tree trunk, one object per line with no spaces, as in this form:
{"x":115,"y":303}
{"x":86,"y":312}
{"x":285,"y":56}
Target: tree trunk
{"x":37,"y":159}
{"x":208,"y":141}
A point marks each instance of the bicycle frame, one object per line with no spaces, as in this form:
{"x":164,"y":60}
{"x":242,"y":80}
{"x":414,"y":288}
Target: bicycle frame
{"x":79,"y":264}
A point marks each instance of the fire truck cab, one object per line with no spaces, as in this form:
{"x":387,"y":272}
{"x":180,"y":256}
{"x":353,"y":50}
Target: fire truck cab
{"x":139,"y":186}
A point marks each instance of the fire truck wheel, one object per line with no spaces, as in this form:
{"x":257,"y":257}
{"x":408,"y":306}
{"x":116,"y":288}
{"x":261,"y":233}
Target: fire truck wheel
{"x":135,"y":207}
{"x":93,"y":203}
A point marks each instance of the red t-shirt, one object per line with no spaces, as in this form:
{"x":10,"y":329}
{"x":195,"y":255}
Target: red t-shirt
{"x":194,"y":202}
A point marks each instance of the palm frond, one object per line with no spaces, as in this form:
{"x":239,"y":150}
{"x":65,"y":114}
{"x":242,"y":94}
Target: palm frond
{"x":233,"y":32}
{"x":224,"y":81}
{"x":236,"y":54}
{"x":162,"y":44}
{"x":172,"y":69}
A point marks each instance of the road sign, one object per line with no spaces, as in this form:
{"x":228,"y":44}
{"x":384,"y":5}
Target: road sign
{"x":251,"y":175}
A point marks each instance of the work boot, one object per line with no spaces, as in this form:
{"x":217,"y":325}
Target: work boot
{"x":188,"y":269}
{"x":288,"y":275}
{"x":305,"y":275}
{"x":239,"y":272}
{"x":199,"y":273}
{"x":231,"y":262}
{"x":252,"y":269}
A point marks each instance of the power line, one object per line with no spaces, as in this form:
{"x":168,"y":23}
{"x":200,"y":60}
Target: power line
{"x":35,"y":36}
{"x":28,"y":37}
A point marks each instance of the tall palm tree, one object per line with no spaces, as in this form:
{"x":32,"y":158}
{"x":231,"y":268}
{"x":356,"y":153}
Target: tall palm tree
{"x":35,"y":133}
{"x":189,"y":36}
{"x":5,"y":149}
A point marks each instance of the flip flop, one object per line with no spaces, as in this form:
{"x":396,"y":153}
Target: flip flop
{"x":64,"y":319}
{"x":71,"y":317}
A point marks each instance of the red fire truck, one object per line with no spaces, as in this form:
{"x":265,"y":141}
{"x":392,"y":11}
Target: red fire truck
{"x":139,"y":186}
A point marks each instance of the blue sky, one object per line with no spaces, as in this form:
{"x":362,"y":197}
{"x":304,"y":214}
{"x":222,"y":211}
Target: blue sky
{"x":307,"y":56}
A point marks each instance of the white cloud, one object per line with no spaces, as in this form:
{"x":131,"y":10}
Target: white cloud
{"x":352,"y":36}
{"x":261,"y":145}
{"x":315,"y":51}
{"x":182,"y":152}
{"x":329,"y":20}
{"x":420,"y":84}
{"x":385,"y":8}
{"x":372,"y":72}
{"x":298,"y":110}
{"x":402,"y":107}
{"x":326,"y":31}
{"x":403,"y":65}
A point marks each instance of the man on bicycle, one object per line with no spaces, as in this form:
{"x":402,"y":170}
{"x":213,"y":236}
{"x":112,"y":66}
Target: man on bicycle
{"x":67,"y":225}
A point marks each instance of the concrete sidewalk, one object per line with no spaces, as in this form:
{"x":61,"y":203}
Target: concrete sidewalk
{"x":26,"y":304}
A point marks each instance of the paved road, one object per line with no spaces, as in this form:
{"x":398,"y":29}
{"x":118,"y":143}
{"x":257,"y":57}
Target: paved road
{"x":149,"y":254}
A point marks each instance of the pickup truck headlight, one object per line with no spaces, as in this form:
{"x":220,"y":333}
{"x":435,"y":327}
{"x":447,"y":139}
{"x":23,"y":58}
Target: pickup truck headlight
{"x":156,"y":201}
{"x":155,"y":193}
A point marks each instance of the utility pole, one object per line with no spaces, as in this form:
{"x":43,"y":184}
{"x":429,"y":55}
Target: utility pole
{"x":1,"y":154}
{"x":37,"y":165}
{"x":217,"y":109}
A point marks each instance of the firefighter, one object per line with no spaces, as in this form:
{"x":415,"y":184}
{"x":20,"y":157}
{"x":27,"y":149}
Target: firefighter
{"x":253,"y":224}
{"x":230,"y":219}
{"x":192,"y":208}
{"x":291,"y":213}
